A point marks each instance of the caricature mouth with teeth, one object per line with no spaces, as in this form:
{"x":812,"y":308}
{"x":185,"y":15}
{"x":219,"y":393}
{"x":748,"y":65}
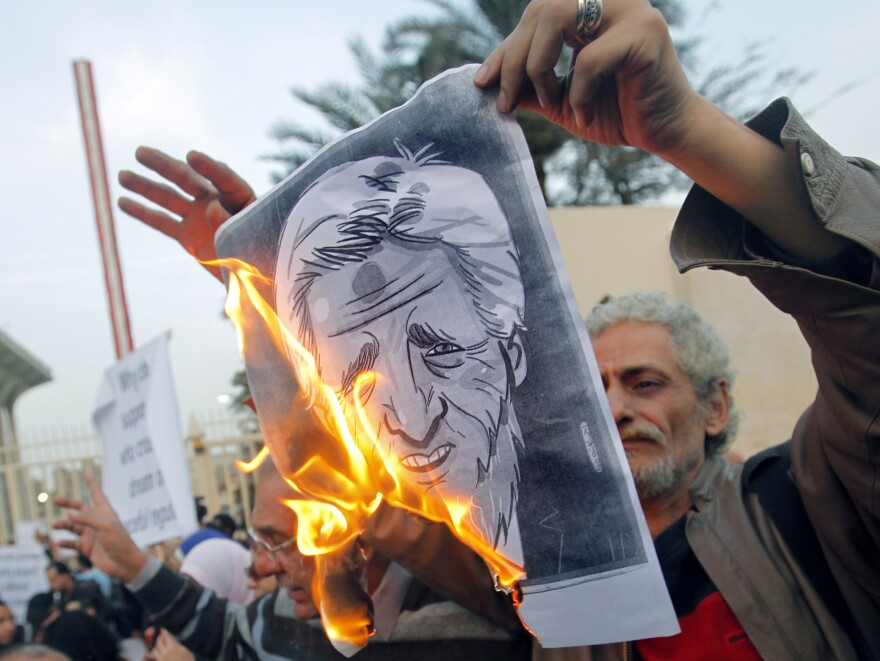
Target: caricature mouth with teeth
{"x":418,"y":462}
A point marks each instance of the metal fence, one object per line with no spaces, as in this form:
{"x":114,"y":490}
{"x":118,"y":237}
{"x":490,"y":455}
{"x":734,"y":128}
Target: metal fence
{"x":56,"y":462}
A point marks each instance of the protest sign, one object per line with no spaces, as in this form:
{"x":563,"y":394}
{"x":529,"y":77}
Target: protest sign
{"x":22,"y":575}
{"x":26,"y":533}
{"x":146,"y":473}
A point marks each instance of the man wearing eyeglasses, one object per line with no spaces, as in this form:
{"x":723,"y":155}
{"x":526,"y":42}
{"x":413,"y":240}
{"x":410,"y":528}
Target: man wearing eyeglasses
{"x":273,"y":538}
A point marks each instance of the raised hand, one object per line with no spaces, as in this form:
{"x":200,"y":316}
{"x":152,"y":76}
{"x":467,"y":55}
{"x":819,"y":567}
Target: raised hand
{"x":626,"y":85}
{"x":205,"y":193}
{"x":102,"y":537}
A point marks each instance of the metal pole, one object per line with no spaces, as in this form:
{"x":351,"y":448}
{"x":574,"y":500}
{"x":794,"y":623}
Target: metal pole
{"x":85,"y":89}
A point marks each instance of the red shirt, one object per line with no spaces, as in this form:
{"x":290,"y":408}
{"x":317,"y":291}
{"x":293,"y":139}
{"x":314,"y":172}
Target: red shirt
{"x":709,"y":629}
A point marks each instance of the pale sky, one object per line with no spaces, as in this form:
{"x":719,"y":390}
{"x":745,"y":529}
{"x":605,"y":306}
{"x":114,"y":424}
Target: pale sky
{"x":215,"y":76}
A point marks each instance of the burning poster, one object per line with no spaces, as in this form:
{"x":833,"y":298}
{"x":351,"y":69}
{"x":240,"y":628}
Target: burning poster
{"x":405,"y":286}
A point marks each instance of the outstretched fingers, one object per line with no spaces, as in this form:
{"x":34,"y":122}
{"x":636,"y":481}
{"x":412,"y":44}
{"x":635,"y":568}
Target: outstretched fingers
{"x":80,"y":519}
{"x":161,"y":194}
{"x":234,"y":192}
{"x":68,"y":503}
{"x":177,"y":172}
{"x":99,"y":498}
{"x":85,"y":518}
{"x":154,"y":218}
{"x":79,"y":512}
{"x":73,"y":526}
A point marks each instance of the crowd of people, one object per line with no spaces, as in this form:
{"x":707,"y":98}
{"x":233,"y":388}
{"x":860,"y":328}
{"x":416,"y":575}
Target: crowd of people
{"x":87,"y":614}
{"x":776,"y":558}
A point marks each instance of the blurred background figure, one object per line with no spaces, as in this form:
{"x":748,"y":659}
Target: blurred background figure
{"x":33,"y":652}
{"x":82,"y":637}
{"x":224,"y":523}
{"x":50,"y":548}
{"x":41,"y":610}
{"x":220,"y":564}
{"x":89,"y":573}
{"x":10,"y":632}
{"x":76,"y":595}
{"x":221,"y":526}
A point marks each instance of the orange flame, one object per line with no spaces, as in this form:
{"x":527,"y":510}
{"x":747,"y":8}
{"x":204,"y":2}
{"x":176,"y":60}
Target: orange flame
{"x":340,"y":485}
{"x":253,"y":464}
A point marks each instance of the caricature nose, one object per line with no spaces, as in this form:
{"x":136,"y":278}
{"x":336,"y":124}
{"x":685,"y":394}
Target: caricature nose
{"x":413,"y":410}
{"x":425,"y":432}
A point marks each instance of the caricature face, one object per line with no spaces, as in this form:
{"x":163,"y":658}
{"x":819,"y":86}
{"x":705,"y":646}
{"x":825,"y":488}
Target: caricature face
{"x":405,"y":268}
{"x":442,"y":382}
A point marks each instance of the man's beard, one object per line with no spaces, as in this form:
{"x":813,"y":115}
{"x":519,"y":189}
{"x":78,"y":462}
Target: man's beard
{"x":662,"y":475}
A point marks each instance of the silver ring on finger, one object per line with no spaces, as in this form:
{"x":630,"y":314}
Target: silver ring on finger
{"x":589,"y":17}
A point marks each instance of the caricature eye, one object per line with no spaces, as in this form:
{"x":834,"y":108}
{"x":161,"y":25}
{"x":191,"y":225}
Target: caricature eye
{"x":443,"y":349}
{"x":444,"y":355}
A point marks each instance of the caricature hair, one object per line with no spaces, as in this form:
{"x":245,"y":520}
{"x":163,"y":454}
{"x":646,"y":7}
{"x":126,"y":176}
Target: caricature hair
{"x":700,"y":353}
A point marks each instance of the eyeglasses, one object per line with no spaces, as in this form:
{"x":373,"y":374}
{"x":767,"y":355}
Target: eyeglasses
{"x":256,"y":542}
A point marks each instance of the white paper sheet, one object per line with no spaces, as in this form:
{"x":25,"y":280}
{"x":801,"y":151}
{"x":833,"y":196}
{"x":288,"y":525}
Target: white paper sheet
{"x":22,"y":575}
{"x":419,"y":249}
{"x":146,"y":473}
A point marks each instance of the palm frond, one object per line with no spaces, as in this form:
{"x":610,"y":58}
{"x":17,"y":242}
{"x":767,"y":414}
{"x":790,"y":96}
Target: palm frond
{"x":452,"y":32}
{"x":343,"y":106}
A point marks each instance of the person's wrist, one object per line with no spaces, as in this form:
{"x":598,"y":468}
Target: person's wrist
{"x":135,"y":563}
{"x":690,"y":139}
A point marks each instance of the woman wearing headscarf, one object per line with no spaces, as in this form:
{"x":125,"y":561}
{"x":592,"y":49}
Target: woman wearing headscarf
{"x":220,"y":564}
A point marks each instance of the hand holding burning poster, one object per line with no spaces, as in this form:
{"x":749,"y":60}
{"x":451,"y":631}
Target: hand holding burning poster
{"x":410,"y":335}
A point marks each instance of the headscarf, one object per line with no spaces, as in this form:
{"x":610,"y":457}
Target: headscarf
{"x":220,"y":564}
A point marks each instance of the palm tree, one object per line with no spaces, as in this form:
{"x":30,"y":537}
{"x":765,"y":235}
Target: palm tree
{"x":570,"y":171}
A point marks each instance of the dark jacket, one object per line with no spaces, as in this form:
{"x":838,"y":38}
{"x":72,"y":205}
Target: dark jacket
{"x":793,"y":540}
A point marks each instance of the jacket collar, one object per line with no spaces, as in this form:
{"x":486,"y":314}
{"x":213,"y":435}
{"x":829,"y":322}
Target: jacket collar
{"x":715,"y":472}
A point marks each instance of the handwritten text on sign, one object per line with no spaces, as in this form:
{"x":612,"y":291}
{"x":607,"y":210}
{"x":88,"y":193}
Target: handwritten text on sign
{"x":145,"y":467}
{"x":22,"y":575}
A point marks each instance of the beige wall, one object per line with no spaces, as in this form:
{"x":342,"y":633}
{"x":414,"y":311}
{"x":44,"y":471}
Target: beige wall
{"x":616,"y":250}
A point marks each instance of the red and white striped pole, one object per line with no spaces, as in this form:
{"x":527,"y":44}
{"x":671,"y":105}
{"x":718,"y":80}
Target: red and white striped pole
{"x":88,"y":108}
